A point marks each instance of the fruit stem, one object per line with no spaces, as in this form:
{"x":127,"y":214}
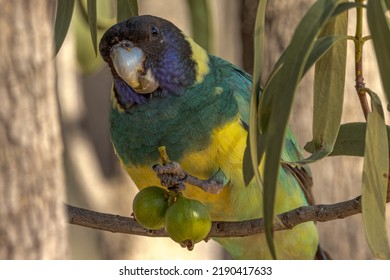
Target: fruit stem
{"x":163,"y":154}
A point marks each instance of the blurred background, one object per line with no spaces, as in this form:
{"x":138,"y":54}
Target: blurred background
{"x":94,"y":178}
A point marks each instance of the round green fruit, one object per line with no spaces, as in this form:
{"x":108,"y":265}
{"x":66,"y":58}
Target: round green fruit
{"x":187,"y":221}
{"x":149,"y":207}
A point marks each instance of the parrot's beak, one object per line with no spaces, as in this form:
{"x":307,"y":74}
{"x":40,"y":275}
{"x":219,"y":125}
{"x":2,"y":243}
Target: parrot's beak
{"x":129,"y":64}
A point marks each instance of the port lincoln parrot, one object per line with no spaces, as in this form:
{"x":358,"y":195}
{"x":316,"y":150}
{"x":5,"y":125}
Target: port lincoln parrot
{"x":168,"y":91}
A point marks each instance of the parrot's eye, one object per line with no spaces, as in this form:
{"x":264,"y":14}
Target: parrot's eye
{"x":154,"y":33}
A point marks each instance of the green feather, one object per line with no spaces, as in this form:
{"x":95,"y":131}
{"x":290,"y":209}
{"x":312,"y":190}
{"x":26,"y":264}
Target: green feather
{"x":176,"y":122}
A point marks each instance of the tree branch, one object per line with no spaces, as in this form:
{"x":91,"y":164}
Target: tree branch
{"x":287,"y":220}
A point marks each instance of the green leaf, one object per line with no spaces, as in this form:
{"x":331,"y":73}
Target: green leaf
{"x":104,"y":18}
{"x":322,"y":44}
{"x":126,"y":9}
{"x":92,"y":20}
{"x":329,"y":81}
{"x":380,"y":32}
{"x":320,"y":48}
{"x":62,"y":22}
{"x":276,"y":101}
{"x":342,"y":7}
{"x":350,"y":140}
{"x":251,"y":161}
{"x":201,"y":23}
{"x":254,"y":135}
{"x":375,"y":181}
{"x":388,"y":4}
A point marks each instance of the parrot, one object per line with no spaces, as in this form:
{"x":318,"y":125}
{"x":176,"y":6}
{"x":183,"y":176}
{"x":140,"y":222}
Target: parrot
{"x":168,"y":91}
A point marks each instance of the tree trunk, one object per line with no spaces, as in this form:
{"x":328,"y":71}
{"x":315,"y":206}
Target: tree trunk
{"x":32,"y":180}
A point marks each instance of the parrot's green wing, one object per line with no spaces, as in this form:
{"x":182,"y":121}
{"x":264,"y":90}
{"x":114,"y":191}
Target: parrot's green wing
{"x":240,"y":83}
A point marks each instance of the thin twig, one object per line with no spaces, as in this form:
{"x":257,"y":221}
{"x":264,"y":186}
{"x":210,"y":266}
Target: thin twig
{"x":359,"y":42}
{"x":287,"y":220}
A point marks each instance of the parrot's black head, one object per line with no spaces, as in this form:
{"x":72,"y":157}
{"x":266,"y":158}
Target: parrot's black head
{"x":149,"y":55}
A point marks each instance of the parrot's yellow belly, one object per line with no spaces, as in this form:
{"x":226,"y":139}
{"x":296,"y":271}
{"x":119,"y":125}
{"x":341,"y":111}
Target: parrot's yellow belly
{"x":237,"y":202}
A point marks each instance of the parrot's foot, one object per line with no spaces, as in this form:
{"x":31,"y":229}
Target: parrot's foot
{"x":173,"y":177}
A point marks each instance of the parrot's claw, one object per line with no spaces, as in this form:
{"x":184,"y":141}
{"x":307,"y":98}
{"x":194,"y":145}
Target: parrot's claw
{"x":173,"y":177}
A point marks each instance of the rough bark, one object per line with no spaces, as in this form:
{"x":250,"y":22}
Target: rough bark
{"x":283,"y":221}
{"x":32,"y":182}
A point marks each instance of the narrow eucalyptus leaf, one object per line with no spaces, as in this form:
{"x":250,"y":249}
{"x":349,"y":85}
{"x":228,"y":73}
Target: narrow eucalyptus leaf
{"x":380,"y":32}
{"x":388,"y":4}
{"x":92,"y":20}
{"x":329,"y":81}
{"x":350,"y":140}
{"x":255,"y":139}
{"x":320,"y":48}
{"x":342,"y":7}
{"x":322,"y":45}
{"x":375,"y":181}
{"x":126,"y":9}
{"x":254,"y":135}
{"x":248,"y":169}
{"x":62,"y":22}
{"x":201,"y":23}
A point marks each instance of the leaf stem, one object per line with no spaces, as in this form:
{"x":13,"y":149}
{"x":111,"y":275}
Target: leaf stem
{"x":359,"y":42}
{"x":366,"y":38}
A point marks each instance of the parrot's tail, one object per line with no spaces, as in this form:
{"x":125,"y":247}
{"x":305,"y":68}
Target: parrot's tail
{"x":322,"y":254}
